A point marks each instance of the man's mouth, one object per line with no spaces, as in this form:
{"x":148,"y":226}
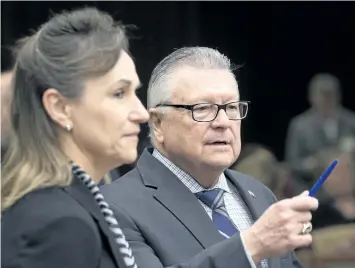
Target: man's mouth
{"x":219,"y":142}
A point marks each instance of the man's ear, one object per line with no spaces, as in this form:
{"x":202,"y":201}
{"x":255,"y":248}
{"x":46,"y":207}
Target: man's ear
{"x":57,"y":107}
{"x":156,"y":123}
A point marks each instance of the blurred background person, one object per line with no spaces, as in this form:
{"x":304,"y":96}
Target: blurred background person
{"x":338,"y":199}
{"x":6,"y":92}
{"x":316,"y":137}
{"x":75,"y":115}
{"x":323,"y":127}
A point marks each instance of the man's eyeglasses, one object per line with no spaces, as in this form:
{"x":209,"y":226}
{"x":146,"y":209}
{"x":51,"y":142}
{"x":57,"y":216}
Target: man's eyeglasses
{"x":206,"y":112}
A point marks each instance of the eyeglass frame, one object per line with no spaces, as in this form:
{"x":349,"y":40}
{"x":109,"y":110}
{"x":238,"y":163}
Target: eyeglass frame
{"x":190,"y":107}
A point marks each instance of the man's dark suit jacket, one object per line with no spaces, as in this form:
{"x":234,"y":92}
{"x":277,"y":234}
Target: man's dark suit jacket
{"x":167,"y":227}
{"x":57,"y":228}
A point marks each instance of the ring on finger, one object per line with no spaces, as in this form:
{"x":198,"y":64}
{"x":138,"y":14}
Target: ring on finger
{"x":307,"y":228}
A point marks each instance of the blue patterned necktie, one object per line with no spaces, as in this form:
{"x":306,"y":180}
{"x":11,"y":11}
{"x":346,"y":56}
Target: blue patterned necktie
{"x":215,"y":201}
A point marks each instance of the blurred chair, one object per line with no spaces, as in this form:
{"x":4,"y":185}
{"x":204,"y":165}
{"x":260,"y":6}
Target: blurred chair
{"x":332,"y":247}
{"x":335,"y":246}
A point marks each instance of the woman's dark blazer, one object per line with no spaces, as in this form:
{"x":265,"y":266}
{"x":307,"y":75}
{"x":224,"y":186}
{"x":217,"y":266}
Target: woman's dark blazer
{"x":57,"y":228}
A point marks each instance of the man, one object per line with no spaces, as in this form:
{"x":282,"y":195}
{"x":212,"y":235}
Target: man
{"x":180,"y":206}
{"x":6,"y":92}
{"x":326,"y":126}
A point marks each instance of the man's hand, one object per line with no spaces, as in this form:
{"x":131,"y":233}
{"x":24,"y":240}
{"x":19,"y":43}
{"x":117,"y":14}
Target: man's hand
{"x":278,"y":230}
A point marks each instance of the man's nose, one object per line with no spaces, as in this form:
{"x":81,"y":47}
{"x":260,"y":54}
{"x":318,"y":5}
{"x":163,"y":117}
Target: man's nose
{"x":222,"y":119}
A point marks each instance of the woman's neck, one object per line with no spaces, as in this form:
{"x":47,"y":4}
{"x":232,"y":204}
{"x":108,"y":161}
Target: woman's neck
{"x":85,"y":161}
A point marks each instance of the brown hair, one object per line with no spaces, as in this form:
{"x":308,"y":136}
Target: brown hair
{"x":65,"y":51}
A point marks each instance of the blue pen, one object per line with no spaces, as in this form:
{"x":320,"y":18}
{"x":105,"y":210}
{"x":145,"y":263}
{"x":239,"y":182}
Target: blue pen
{"x":322,"y":178}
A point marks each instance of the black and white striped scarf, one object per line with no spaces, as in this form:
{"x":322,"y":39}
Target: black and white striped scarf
{"x":120,"y":239}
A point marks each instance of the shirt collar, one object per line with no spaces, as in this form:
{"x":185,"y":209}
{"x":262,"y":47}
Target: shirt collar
{"x":186,"y":179}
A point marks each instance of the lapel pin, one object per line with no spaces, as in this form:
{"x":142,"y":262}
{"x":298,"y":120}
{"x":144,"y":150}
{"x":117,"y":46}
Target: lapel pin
{"x":251,"y":193}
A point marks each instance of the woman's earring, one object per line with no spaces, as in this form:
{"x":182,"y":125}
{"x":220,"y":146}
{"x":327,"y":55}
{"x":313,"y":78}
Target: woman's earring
{"x":68,"y":127}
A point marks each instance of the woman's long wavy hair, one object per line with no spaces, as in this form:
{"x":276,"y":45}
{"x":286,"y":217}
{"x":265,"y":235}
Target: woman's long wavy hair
{"x":62,"y":54}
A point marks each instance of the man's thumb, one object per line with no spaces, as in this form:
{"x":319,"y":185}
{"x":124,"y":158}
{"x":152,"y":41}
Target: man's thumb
{"x":305,"y":193}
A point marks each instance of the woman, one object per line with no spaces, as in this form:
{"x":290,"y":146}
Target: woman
{"x":75,"y":116}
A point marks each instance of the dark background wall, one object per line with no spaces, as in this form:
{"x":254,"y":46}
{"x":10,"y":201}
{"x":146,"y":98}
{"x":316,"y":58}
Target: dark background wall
{"x":280,"y":45}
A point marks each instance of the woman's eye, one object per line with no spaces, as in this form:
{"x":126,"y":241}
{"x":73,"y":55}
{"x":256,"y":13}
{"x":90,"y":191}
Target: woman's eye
{"x":119,"y":93}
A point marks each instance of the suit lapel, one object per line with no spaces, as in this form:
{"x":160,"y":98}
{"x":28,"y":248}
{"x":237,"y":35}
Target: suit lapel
{"x":81,"y":194}
{"x":255,"y":203}
{"x":178,"y":200}
{"x":186,"y":208}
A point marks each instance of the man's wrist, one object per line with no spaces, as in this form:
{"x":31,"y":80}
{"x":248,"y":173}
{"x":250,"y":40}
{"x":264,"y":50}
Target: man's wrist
{"x":252,"y":246}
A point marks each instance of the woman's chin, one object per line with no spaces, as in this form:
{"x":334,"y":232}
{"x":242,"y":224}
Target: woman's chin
{"x":126,"y":157}
{"x":129,"y":157}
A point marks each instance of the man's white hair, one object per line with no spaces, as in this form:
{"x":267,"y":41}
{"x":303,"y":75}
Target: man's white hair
{"x":198,"y":57}
{"x":159,"y":90}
